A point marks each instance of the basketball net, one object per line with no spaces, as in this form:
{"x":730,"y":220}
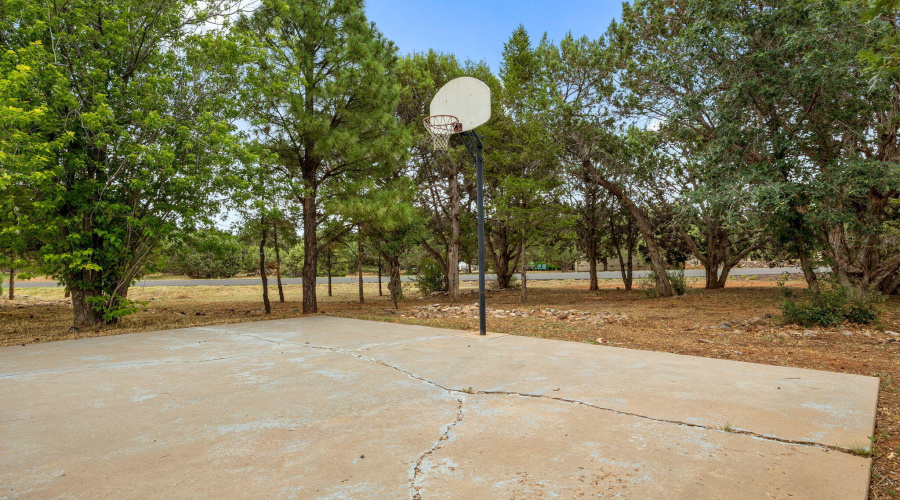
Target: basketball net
{"x":441,"y":127}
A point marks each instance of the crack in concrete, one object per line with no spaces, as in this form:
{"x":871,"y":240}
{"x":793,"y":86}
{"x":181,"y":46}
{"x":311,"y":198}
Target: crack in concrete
{"x":457,"y":393}
{"x":452,"y":390}
{"x":755,"y":435}
{"x":358,"y":347}
{"x":415,"y":489}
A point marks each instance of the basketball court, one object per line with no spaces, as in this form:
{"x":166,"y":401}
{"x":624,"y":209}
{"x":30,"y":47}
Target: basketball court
{"x":323,"y":407}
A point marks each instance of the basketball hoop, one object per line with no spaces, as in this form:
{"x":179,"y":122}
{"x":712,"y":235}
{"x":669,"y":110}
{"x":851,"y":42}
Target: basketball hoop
{"x":459,"y":107}
{"x":441,"y":127}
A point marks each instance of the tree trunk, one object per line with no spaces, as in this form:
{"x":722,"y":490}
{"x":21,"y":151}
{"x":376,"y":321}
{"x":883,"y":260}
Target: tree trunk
{"x":379,"y":278}
{"x":12,"y":284}
{"x":629,"y":275}
{"x":310,"y":254}
{"x":857,"y":262}
{"x":328,"y":264}
{"x":262,"y":269}
{"x":592,"y":264}
{"x":590,"y":229}
{"x":728,"y":265}
{"x":625,"y":266}
{"x":453,"y":247}
{"x":631,"y":242}
{"x":663,"y":286}
{"x":394,"y":284}
{"x":84,"y":313}
{"x":723,"y":276}
{"x":359,"y":271}
{"x":808,"y":272}
{"x":524,"y":262}
{"x":278,"y":265}
{"x":890,"y":286}
{"x":502,"y":253}
{"x":716,"y":242}
{"x":712,"y":278}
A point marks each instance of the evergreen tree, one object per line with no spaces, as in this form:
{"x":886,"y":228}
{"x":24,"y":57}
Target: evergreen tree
{"x":523,"y":168}
{"x":321,"y":97}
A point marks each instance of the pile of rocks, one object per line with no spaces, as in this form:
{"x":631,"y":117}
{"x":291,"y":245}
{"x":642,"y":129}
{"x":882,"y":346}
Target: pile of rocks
{"x":446,"y":311}
{"x":755,"y":323}
{"x":785,"y":331}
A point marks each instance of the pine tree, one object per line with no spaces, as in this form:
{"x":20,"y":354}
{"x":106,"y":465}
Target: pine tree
{"x":321,"y":97}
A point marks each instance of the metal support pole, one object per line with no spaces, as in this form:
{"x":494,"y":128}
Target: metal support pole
{"x":479,"y":167}
{"x":473,"y":143}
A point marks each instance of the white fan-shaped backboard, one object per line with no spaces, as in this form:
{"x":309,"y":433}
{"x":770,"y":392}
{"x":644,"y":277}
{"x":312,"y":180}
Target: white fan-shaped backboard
{"x":466,"y":98}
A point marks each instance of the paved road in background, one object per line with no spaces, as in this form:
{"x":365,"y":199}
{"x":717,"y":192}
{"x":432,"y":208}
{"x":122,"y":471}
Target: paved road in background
{"x":537,"y":276}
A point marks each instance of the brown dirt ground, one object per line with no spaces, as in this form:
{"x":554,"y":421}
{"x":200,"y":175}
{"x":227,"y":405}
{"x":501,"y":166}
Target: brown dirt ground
{"x":659,"y":324}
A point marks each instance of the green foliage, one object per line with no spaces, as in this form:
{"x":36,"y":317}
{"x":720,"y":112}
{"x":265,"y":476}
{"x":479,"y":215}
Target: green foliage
{"x":861,"y":451}
{"x":292,"y":261}
{"x":208,"y":254}
{"x":320,"y":97}
{"x":342,"y":263}
{"x":831,"y":305}
{"x":430,"y":278}
{"x":116,"y":131}
{"x":676,"y":279}
{"x":391,"y":224}
{"x":679,"y":284}
{"x":250,"y":259}
{"x":113,"y":310}
{"x":882,"y":59}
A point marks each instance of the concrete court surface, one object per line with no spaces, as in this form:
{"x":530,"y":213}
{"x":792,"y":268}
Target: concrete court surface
{"x":323,"y":407}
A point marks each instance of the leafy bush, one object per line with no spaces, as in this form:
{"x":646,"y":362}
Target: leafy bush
{"x":676,"y":279}
{"x":292,"y":261}
{"x":208,"y":254}
{"x":832,"y":305}
{"x":430,"y":278}
{"x":250,"y":260}
{"x":113,"y":308}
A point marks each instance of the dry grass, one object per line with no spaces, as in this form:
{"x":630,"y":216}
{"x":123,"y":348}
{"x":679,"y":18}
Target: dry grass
{"x":666,"y":324}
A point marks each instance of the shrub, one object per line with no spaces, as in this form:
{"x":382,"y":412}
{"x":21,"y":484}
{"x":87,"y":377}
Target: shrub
{"x":292,"y":261}
{"x":250,"y":259}
{"x":832,"y":305}
{"x":208,"y":254}
{"x":430,"y":278}
{"x":676,"y":279}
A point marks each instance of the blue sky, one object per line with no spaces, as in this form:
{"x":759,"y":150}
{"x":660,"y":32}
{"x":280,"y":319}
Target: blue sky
{"x":477,"y":30}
